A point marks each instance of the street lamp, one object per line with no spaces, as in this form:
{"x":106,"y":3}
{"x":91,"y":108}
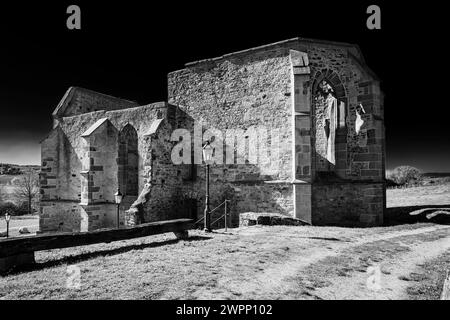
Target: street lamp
{"x":118,"y":198}
{"x":7,"y":218}
{"x":207,"y":157}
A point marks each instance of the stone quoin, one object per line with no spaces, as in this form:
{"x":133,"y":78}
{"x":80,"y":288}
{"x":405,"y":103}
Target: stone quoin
{"x":320,"y":97}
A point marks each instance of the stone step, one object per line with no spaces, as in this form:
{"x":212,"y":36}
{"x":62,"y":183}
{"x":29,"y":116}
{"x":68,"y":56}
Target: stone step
{"x":269,"y":219}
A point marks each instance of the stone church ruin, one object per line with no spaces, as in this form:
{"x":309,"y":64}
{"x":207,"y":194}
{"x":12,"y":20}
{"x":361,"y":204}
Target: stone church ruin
{"x":320,"y":98}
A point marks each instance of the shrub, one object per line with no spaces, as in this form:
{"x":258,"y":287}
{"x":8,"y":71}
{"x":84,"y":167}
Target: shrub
{"x":445,"y":180}
{"x":13,"y":209}
{"x":22,"y":209}
{"x":405,"y":175}
{"x":391,"y":183}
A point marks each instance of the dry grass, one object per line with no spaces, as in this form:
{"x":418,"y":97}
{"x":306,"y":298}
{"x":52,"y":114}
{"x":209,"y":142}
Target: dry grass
{"x":418,"y":196}
{"x":428,"y":278}
{"x":247,"y":263}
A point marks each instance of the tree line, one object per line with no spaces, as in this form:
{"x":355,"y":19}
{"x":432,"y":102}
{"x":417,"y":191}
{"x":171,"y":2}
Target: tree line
{"x":25,"y":193}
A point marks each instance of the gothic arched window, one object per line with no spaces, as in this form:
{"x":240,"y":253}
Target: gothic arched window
{"x":128,"y":161}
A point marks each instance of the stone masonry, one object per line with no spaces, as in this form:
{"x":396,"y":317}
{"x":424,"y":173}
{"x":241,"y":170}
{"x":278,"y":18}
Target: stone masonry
{"x":318,"y":148}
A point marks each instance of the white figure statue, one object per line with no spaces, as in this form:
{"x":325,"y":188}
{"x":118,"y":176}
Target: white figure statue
{"x":330,"y":122}
{"x":359,"y":121}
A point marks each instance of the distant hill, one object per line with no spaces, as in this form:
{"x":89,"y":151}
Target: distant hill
{"x":436,"y":174}
{"x":20,"y":165}
{"x":16,"y":169}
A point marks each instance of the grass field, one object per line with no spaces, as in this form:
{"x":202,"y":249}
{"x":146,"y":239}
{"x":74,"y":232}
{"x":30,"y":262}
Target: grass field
{"x":256,"y":262}
{"x":416,"y":196}
{"x":29,"y":221}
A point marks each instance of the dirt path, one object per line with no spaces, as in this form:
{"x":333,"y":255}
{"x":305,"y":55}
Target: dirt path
{"x":393,"y":275}
{"x":336,"y":268}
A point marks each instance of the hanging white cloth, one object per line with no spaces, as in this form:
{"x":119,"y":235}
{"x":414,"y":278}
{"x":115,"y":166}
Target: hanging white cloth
{"x":359,"y":121}
{"x":331,"y":115}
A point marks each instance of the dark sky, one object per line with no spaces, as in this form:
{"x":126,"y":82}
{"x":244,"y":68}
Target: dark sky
{"x":127,"y":49}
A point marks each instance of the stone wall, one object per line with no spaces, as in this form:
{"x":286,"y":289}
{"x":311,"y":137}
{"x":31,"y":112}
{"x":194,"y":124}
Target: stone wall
{"x":255,"y":88}
{"x":166,"y":198}
{"x":80,"y":169}
{"x":241,"y":93}
{"x":348,"y":204}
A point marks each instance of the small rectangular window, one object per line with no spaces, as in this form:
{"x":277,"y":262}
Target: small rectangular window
{"x":341,"y":114}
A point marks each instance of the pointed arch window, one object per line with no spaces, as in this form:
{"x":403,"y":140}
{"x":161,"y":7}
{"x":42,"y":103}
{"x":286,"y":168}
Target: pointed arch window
{"x":128,"y":161}
{"x":330,"y":105}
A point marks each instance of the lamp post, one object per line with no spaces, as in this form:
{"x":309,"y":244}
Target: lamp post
{"x":118,"y":198}
{"x":207,"y":157}
{"x":7,"y":218}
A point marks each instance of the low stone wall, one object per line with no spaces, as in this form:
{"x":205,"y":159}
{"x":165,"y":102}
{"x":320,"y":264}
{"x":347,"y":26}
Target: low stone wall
{"x":271,"y":219}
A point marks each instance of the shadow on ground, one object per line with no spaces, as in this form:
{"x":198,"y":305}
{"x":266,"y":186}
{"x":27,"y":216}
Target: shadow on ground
{"x":401,"y":215}
{"x":73,"y":259}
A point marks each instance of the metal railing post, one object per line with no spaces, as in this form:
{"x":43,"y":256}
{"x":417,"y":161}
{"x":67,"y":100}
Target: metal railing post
{"x":226,"y":213}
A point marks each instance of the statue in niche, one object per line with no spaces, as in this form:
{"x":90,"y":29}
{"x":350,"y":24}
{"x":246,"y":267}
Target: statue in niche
{"x":330,"y":120}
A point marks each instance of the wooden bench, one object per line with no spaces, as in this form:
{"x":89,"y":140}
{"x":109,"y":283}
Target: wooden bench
{"x":15,"y":252}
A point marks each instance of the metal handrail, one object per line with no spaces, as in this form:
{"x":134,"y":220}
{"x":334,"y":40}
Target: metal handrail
{"x":203,"y":217}
{"x":224,"y":215}
{"x":199,"y":220}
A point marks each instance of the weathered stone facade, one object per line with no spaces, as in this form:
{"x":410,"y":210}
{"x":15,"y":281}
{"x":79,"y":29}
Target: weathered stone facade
{"x":83,"y":162}
{"x":320,"y":157}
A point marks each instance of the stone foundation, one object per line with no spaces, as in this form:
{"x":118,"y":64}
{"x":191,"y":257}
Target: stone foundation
{"x":65,"y":216}
{"x":348,"y":204}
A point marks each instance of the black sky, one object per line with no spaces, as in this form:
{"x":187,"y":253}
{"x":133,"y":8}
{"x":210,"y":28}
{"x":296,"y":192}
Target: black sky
{"x":126,"y":49}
